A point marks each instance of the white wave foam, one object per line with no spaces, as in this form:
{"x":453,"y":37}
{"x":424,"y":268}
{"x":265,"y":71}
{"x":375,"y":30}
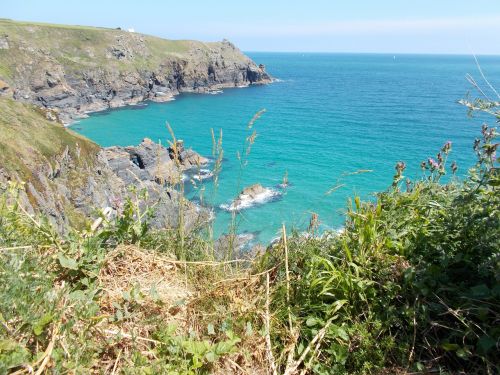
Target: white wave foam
{"x":215,"y":92}
{"x":245,"y":201}
{"x":203,"y":175}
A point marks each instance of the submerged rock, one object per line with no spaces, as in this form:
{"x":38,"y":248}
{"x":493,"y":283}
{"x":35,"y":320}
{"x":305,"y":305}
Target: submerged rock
{"x":234,"y":246}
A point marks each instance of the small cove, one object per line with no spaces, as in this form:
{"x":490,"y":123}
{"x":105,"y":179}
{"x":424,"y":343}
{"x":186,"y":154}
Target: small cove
{"x":328,"y":116}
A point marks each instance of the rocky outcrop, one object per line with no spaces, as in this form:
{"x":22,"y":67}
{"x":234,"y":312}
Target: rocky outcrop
{"x":69,"y":179}
{"x":250,"y":196}
{"x":149,"y":167}
{"x":78,"y":70}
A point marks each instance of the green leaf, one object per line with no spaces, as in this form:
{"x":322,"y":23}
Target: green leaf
{"x":8,"y":345}
{"x":67,"y":262}
{"x":40,"y":324}
{"x":336,"y":306}
{"x":485,"y":344}
{"x":312,"y":321}
{"x":450,"y":347}
{"x":153,"y":293}
{"x":210,"y":329}
{"x":211,"y":357}
{"x":126,"y":296}
{"x":480,"y":291}
{"x":77,"y":295}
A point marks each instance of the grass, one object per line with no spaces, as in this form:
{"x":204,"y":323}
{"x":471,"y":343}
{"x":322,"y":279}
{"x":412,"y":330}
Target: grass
{"x":78,"y":48}
{"x":27,"y":139}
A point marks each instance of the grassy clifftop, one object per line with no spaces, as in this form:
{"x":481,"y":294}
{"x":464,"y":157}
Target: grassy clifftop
{"x":84,"y":46}
{"x":54,"y":163}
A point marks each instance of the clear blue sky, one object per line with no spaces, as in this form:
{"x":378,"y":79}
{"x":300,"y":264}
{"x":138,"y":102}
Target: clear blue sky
{"x":394,"y":26}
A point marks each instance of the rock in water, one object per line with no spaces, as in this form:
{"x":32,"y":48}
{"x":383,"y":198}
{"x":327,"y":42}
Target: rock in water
{"x":250,"y":196}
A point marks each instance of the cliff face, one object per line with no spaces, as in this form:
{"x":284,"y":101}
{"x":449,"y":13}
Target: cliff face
{"x":68,"y":178}
{"x":80,"y":69}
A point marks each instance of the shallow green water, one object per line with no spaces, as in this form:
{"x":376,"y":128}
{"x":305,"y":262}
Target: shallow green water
{"x":329,"y":115}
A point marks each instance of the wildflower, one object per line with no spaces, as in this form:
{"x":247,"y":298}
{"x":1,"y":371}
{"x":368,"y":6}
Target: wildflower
{"x":423,"y":165}
{"x":433,"y":164}
{"x":477,"y":142}
{"x":446,"y":148}
{"x":408,"y":185}
{"x":454,"y":167}
{"x":400,"y":166}
{"x":440,"y":158}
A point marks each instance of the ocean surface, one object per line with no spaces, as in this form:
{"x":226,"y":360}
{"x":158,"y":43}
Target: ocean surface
{"x":328,"y":116}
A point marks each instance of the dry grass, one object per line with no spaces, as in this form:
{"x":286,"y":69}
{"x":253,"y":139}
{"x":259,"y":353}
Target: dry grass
{"x":239,"y":299}
{"x":148,"y":290}
{"x":166,"y":295}
{"x":162,"y":289}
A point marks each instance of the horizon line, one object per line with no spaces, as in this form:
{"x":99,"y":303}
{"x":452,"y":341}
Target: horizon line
{"x":378,"y":53}
{"x":46,"y":23}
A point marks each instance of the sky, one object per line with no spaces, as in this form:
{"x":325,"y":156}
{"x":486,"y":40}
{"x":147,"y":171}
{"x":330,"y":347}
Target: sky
{"x":380,"y":26}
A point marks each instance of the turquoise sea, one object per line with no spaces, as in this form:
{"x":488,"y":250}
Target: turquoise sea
{"x":328,"y":115}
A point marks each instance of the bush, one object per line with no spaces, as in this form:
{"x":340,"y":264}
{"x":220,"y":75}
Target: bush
{"x":412,"y":281}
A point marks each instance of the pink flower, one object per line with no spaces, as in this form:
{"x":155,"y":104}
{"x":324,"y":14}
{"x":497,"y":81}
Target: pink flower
{"x":433,"y":164}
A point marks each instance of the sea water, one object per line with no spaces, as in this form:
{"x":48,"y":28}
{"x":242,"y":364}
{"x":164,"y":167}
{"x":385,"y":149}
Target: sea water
{"x":336,"y":124}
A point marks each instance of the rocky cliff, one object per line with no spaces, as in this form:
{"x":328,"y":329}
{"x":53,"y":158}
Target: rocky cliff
{"x":77,"y":69}
{"x":69,"y":178}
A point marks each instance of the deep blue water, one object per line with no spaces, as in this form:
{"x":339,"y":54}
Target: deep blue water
{"x":328,"y":116}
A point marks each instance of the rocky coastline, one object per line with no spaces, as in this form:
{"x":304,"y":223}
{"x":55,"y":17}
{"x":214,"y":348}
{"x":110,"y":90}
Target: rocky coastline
{"x":55,"y":74}
{"x":75,"y":71}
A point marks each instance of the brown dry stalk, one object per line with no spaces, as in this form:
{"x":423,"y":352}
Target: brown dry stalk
{"x":15,"y":248}
{"x":116,"y":362}
{"x":248,"y":277}
{"x":208,"y":263}
{"x":287,"y":280}
{"x":127,"y":336}
{"x":267,"y":322}
{"x":45,"y":358}
{"x":237,"y":366}
{"x":317,"y":339}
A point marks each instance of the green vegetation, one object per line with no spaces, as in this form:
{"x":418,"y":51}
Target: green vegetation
{"x":79,"y":48}
{"x":411,"y":285}
{"x":27,"y":139}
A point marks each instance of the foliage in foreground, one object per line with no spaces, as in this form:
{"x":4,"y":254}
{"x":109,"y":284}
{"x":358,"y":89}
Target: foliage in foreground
{"x":411,"y":284}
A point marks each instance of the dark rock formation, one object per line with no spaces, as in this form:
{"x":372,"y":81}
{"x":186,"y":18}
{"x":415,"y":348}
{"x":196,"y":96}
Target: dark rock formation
{"x":149,"y":166}
{"x":68,"y":178}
